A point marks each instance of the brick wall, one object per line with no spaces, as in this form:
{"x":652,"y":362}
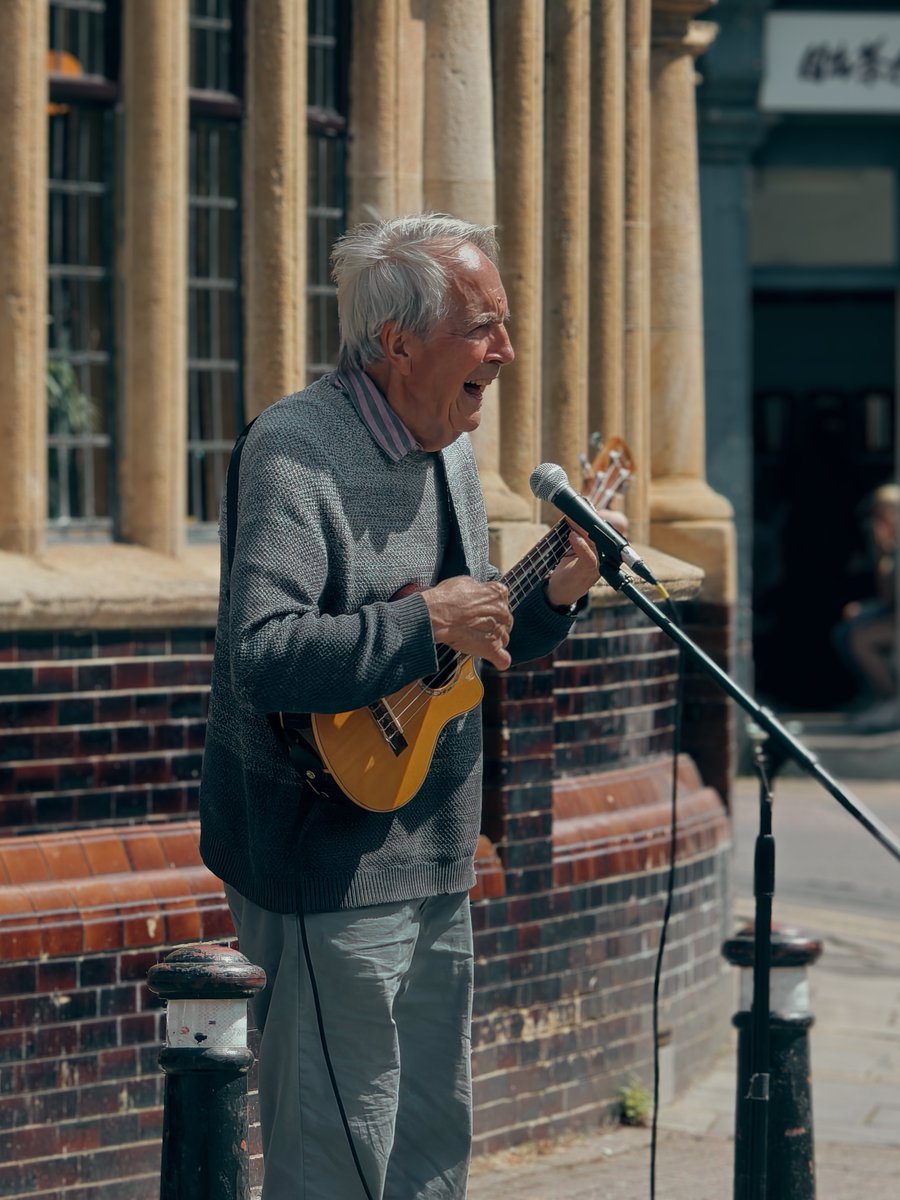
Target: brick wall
{"x":83,"y":917}
{"x":563,"y":1016}
{"x":578,"y":786}
{"x":100,"y":743}
{"x":101,"y":726}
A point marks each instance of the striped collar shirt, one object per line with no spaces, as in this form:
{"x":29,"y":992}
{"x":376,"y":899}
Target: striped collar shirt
{"x":376,"y":414}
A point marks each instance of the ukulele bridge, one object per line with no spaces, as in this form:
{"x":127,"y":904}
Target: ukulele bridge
{"x":389,"y":726}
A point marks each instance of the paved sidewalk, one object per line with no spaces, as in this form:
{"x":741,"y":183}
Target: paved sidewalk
{"x":855,"y":1050}
{"x":855,"y":1058}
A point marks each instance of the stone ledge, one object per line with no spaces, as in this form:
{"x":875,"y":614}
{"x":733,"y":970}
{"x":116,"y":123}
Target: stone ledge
{"x":682,"y":580}
{"x":116,"y":586}
{"x":108,"y":587}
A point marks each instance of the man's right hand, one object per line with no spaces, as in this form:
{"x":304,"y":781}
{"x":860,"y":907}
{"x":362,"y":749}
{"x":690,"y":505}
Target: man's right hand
{"x":471,"y":617}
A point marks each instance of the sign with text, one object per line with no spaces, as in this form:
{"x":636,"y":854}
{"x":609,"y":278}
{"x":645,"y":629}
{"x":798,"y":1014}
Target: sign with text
{"x":827,"y":62}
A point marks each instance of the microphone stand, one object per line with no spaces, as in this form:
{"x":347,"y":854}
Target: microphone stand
{"x":753,"y":1186}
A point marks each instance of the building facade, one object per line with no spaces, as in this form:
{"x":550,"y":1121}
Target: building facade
{"x":799,"y":116}
{"x":175,"y":174}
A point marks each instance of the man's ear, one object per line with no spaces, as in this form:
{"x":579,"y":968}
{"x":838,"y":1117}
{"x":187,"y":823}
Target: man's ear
{"x":395,"y":346}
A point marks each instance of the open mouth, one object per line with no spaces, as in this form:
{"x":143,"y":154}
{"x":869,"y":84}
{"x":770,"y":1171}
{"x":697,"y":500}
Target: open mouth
{"x":475,"y":388}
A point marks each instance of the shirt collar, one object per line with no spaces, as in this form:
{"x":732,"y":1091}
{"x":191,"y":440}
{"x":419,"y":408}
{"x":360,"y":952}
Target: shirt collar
{"x":394,"y":438}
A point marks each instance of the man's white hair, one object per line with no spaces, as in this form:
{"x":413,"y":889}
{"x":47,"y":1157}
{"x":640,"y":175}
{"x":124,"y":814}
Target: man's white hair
{"x":397,"y":270}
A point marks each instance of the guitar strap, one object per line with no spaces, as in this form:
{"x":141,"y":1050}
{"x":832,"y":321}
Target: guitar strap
{"x":293,"y":730}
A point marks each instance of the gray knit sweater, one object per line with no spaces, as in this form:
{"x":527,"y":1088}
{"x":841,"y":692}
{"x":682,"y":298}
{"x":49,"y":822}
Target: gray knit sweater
{"x":328,"y":530}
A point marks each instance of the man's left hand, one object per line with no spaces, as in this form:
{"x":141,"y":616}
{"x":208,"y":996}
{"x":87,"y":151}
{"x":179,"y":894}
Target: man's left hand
{"x":576,"y":574}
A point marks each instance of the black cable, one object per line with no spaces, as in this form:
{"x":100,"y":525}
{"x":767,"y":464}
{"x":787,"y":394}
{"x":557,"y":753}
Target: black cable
{"x":670,"y":892}
{"x":320,"y":1022}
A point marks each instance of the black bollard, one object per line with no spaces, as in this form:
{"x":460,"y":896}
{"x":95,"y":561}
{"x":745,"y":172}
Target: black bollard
{"x":205,"y":1150}
{"x":790,"y":1169}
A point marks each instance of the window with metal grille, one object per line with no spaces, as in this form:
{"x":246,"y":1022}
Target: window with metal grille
{"x":215,"y":398}
{"x":329,"y":46}
{"x":83,"y":71}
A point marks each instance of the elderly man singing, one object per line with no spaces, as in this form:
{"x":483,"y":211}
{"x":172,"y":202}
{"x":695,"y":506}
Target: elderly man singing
{"x":359,"y":565}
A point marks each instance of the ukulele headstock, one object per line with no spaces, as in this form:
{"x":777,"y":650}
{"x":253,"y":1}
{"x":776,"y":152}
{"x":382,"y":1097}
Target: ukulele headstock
{"x":607,"y":473}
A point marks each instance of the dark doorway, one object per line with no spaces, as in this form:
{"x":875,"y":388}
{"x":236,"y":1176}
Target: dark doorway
{"x":824,"y":366}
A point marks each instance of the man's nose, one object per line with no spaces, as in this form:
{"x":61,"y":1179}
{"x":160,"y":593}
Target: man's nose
{"x":501,"y":347}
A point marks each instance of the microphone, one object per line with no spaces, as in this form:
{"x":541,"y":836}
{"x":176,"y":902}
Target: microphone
{"x":549,"y":482}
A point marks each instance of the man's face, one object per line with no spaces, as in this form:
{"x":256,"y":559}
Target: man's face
{"x":447,"y":373}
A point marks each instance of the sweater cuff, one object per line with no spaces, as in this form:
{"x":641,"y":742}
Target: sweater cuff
{"x":414,"y":623}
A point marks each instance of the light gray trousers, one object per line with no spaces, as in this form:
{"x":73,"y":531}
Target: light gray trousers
{"x":395,"y":991}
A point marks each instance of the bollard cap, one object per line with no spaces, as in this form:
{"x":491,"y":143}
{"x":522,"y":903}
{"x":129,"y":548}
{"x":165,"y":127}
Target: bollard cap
{"x":205,"y":971}
{"x":791,"y":947}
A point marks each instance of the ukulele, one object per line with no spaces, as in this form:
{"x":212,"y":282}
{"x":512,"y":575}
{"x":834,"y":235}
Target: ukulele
{"x":379,"y":755}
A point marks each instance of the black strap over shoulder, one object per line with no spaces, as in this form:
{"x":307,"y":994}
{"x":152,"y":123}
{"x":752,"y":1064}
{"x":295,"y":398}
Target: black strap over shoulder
{"x":293,"y":730}
{"x":231,"y":497}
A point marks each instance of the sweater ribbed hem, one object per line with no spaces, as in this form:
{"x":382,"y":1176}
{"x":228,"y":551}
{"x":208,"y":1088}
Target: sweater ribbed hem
{"x":360,"y":890}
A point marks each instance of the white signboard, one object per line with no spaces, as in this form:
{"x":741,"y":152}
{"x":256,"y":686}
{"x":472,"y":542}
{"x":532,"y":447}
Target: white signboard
{"x":827,"y":62}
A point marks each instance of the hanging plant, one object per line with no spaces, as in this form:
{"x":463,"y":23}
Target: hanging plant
{"x":69,"y":409}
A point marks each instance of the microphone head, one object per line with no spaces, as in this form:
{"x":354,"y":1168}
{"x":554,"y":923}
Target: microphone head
{"x":546,"y":480}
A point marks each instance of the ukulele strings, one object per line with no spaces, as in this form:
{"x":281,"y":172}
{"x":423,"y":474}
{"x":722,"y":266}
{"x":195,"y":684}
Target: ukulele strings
{"x":543,"y":557}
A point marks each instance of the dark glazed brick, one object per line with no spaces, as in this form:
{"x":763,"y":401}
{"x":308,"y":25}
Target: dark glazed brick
{"x":16,"y":681}
{"x":78,"y":711}
{"x":150,"y":642}
{"x":115,"y":707}
{"x":190,"y":704}
{"x":76,"y":645}
{"x":95,"y":742}
{"x":95,"y":972}
{"x":168,"y":673}
{"x":16,"y":747}
{"x":73,"y":776}
{"x":114,"y":643}
{"x":169,"y":736}
{"x":133,"y":739}
{"x":97,"y":677}
{"x":56,"y":744}
{"x":94,"y":806}
{"x":25,"y":714}
{"x":35,"y":645}
{"x":192,"y":641}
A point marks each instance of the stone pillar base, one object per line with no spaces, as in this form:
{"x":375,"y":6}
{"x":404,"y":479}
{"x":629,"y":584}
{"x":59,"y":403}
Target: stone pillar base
{"x":500,"y":501}
{"x":709,"y":544}
{"x":512,"y":540}
{"x":686,"y":498}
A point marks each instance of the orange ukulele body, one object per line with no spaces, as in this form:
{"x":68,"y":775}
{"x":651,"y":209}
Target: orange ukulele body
{"x":380,"y":759}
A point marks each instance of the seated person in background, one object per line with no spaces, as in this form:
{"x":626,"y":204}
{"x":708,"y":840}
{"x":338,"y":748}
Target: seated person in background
{"x":865,"y":638}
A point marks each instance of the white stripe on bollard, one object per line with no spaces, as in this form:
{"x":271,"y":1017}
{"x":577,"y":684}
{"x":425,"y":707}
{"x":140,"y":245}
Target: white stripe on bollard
{"x":206,"y":1024}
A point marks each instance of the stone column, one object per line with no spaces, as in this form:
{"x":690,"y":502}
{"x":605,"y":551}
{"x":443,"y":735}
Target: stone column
{"x":154,"y":335}
{"x":519,"y":65}
{"x":636,"y":424}
{"x":689,"y":519}
{"x":274,"y":196}
{"x":606,"y":404}
{"x":567,"y":155}
{"x":387,"y":85}
{"x":23,"y":274}
{"x":459,"y":179}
